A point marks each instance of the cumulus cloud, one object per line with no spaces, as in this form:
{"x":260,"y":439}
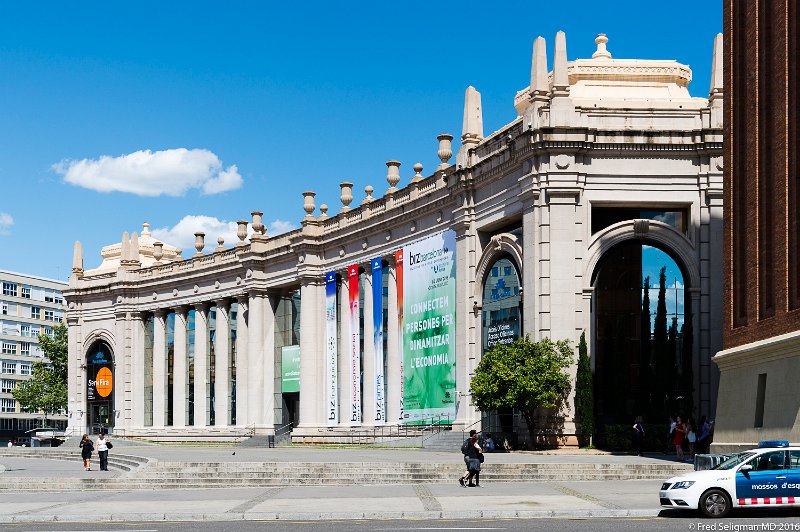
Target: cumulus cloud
{"x":152,"y":173}
{"x":181,"y":235}
{"x":6,"y":221}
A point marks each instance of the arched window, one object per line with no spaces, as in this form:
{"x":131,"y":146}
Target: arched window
{"x":502,"y":317}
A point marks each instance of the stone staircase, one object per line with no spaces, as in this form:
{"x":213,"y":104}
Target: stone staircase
{"x":183,"y":475}
{"x":446,"y":440}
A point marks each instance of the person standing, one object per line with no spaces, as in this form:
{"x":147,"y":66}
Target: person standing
{"x":475,"y":457}
{"x":87,"y":448}
{"x":102,"y":451}
{"x":679,"y":434}
{"x":638,"y":436}
{"x":670,"y":435}
{"x":691,"y":437}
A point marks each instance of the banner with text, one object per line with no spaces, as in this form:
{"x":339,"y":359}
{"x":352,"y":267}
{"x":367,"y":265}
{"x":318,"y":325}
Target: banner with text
{"x":377,"y":320}
{"x":332,"y":351}
{"x":355,"y":346}
{"x":290,"y":369}
{"x":429,"y":298}
{"x":398,"y":257}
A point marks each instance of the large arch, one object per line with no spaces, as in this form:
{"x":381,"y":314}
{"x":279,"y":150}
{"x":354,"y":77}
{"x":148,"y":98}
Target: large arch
{"x":503,"y":244}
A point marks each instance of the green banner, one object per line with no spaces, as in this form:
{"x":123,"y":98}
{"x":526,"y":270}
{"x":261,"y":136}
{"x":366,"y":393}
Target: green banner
{"x":429,"y":332}
{"x":290,"y":368}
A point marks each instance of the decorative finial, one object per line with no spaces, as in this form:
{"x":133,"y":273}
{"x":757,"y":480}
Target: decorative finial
{"x":308,"y":204}
{"x":158,"y":251}
{"x":220,"y":244}
{"x":258,"y":223}
{"x":601,"y":52}
{"x":241,"y":232}
{"x":417,"y":173}
{"x":199,"y":242}
{"x":368,"y":199}
{"x":445,"y":149}
{"x":347,"y":195}
{"x":77,"y":258}
{"x":472,"y":130}
{"x":135,"y":249}
{"x":560,"y":75}
{"x":393,"y":177}
{"x":324,"y":210}
{"x":125,"y":254}
{"x":145,"y":229}
{"x":539,"y":82}
{"x":717,"y":75}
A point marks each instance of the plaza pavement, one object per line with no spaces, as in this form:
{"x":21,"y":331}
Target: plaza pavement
{"x":579,"y":499}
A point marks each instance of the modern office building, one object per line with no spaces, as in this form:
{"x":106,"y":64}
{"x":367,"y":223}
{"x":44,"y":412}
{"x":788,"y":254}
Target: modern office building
{"x":377,"y":314}
{"x":29,"y":306}
{"x":760,"y":365}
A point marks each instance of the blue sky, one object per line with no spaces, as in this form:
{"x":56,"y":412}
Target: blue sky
{"x":246,"y":104}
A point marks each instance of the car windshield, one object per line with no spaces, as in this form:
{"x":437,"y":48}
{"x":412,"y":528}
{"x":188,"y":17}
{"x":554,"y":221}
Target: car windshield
{"x":735,"y":460}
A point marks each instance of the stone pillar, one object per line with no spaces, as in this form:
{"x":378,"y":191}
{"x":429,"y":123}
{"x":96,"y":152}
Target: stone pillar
{"x":121,"y":413}
{"x":393,"y":375}
{"x":255,"y":359}
{"x":201,"y":384}
{"x":76,"y":383}
{"x":311,"y":350}
{"x":137,"y":332}
{"x":467,"y":352}
{"x":242,"y":365}
{"x":531,"y":268}
{"x":180,"y":405}
{"x":222,"y":366}
{"x":368,"y":385}
{"x":344,"y":351}
{"x":268,"y":341}
{"x":159,"y":368}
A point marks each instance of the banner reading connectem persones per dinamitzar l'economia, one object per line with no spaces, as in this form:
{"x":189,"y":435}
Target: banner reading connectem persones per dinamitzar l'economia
{"x":429,"y":298}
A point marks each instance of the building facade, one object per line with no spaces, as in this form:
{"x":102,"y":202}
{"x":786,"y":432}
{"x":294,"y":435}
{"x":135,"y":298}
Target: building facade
{"x":29,"y":306}
{"x":377,"y":315}
{"x":760,"y":363}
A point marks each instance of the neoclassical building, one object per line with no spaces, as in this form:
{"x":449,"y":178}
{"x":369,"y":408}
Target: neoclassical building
{"x":377,"y":315}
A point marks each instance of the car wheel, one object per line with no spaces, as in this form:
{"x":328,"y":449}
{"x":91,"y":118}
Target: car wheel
{"x":715,"y":503}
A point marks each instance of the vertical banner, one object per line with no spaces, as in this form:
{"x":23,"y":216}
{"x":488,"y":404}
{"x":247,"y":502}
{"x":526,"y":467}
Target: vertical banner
{"x":332,"y":351}
{"x":377,"y":320}
{"x":398,"y":259}
{"x":429,"y":333}
{"x":355,"y":347}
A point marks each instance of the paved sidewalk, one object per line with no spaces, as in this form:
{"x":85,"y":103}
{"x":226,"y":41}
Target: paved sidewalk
{"x":429,"y":500}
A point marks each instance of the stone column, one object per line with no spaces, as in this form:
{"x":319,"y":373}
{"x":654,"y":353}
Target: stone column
{"x":180,"y":406}
{"x":268,"y":341}
{"x":393,"y":375}
{"x":120,"y":415}
{"x":159,"y":368}
{"x":255,"y":359}
{"x":76,"y":383}
{"x":222,"y":365}
{"x":368,"y":385}
{"x":242,"y":365}
{"x":530,"y":265}
{"x":467,"y":352}
{"x":137,"y":331}
{"x":344,"y":351}
{"x":311,"y":350}
{"x":201,"y":384}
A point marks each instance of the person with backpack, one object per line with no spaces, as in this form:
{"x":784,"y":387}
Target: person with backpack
{"x":87,"y":448}
{"x":465,"y":451}
{"x":474,"y":458}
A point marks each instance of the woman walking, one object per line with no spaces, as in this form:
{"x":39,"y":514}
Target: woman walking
{"x":680,"y":433}
{"x":87,"y":447}
{"x":474,"y":459}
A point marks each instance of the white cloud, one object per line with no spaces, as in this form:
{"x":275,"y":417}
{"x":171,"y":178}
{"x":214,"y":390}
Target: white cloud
{"x":181,"y":235}
{"x":149,"y":173}
{"x":6,"y":221}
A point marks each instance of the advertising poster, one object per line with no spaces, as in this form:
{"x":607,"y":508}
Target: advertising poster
{"x":100,"y":383}
{"x":398,"y":257}
{"x":290,"y":369}
{"x":429,"y":298}
{"x":332,"y":351}
{"x":355,"y":347}
{"x":377,"y":320}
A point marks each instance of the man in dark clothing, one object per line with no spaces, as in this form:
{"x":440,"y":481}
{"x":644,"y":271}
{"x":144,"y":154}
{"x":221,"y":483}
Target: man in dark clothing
{"x":465,"y":451}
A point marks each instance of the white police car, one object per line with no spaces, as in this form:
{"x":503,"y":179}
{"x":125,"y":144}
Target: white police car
{"x":766,"y":477}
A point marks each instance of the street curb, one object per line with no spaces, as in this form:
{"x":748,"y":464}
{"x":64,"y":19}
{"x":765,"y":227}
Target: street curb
{"x":327,"y":516}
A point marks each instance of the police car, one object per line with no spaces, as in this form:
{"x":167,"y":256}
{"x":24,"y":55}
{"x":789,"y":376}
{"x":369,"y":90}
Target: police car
{"x":766,"y":477}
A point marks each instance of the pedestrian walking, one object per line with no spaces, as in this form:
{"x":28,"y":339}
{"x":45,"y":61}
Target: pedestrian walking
{"x":670,"y":435}
{"x":691,"y":438}
{"x":678,"y":436}
{"x":475,"y":457}
{"x":103,"y":445}
{"x":87,"y":448}
{"x":465,"y":451}
{"x":638,"y":435}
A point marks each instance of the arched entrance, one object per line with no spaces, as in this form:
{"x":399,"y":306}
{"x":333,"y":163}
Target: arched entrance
{"x":100,"y":387}
{"x":643,"y":338}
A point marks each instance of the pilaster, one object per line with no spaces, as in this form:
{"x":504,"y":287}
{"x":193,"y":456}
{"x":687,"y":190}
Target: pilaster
{"x":180,"y":405}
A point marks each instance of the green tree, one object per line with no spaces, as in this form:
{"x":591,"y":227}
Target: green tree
{"x":687,"y":374}
{"x":584,"y":393}
{"x":46,"y":390}
{"x":645,"y":359}
{"x":660,"y":341}
{"x":524,"y":375}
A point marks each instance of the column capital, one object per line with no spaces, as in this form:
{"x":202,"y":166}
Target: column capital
{"x":160,"y":312}
{"x":201,"y":306}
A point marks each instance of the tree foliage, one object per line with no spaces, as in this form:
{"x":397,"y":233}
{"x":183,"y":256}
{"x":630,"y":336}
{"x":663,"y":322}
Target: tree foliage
{"x":524,"y":375}
{"x":584,"y":393}
{"x":660,"y":340}
{"x":46,"y":390}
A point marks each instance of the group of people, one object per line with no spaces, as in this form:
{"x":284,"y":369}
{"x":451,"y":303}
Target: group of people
{"x":473,"y":457}
{"x":695,"y":437}
{"x":88,"y":447}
